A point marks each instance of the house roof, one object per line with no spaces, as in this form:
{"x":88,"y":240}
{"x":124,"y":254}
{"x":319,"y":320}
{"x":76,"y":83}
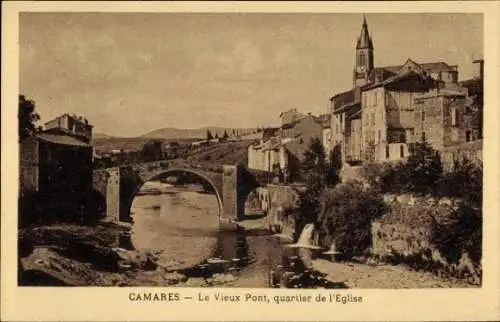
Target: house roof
{"x":346,"y":99}
{"x":323,"y":120}
{"x":389,"y":71}
{"x":62,"y":139}
{"x":474,"y":85}
{"x":396,"y":78}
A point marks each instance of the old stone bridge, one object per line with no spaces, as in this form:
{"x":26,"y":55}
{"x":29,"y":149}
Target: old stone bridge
{"x":119,"y":185}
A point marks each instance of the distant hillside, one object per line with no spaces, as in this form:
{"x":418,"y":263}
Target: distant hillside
{"x":113,"y":143}
{"x":101,"y":136}
{"x":201,"y":133}
{"x":223,"y":153}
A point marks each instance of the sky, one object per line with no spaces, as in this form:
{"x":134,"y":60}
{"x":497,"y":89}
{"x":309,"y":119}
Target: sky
{"x":130,"y":73}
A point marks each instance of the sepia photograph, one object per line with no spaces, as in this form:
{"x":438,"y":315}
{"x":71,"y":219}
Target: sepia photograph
{"x":250,"y":161}
{"x":251,"y":150}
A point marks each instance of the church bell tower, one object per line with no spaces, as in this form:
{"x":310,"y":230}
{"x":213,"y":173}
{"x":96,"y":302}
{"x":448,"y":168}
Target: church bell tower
{"x":364,"y":57}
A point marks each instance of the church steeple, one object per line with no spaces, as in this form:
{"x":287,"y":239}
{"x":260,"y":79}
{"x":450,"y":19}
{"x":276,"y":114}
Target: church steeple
{"x":364,"y":56}
{"x":364,"y":40}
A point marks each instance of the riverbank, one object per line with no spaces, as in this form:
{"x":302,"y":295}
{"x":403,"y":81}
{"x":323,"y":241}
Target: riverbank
{"x":381,"y":276}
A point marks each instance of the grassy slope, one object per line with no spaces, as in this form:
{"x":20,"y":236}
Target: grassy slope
{"x":223,"y":153}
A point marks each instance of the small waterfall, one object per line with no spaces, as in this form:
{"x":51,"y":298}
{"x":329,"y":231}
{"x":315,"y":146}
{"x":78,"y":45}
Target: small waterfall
{"x":305,"y":238}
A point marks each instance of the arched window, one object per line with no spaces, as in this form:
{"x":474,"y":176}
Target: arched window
{"x":362,"y":59}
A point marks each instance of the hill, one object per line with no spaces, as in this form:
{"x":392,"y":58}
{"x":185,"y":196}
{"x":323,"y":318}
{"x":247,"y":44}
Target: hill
{"x":223,"y":153}
{"x":99,"y":136}
{"x":127,"y":144}
{"x":201,"y":133}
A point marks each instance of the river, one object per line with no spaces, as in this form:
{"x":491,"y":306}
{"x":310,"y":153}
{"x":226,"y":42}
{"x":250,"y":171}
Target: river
{"x":181,"y":225}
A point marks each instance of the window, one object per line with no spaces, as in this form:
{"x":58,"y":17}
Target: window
{"x":402,"y":151}
{"x":373,"y":118}
{"x":387,"y":152}
{"x":379,"y":135}
{"x":362,"y":59}
{"x":423,"y":116}
{"x":423,"y":135}
{"x":375,"y":99}
{"x":467,"y":136}
{"x":455,"y":136}
{"x":454,"y":117}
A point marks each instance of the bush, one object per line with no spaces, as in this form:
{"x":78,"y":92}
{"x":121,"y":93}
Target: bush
{"x":423,"y":169}
{"x":385,"y":177}
{"x":346,"y":216}
{"x":460,"y":233}
{"x":464,"y":181}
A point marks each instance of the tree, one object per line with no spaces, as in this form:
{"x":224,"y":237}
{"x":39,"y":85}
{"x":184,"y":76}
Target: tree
{"x":209,"y":135}
{"x":423,"y":168}
{"x":225,"y":135}
{"x":27,"y":118}
{"x":314,"y":158}
{"x":152,"y":150}
{"x":313,"y":166}
{"x":216,"y":135}
{"x":334,"y":166}
{"x":346,"y":217}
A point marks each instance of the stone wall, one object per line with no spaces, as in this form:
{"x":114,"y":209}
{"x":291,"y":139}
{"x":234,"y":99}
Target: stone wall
{"x":100,"y":180}
{"x":403,"y":236}
{"x":106,"y":182}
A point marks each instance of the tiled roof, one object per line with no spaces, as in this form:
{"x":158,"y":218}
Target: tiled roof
{"x":436,"y":67}
{"x":347,"y":98}
{"x":395,"y":79}
{"x":62,"y":139}
{"x":389,"y":71}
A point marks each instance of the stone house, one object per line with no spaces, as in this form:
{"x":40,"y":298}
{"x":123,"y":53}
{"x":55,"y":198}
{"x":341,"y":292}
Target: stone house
{"x":441,"y":118}
{"x":76,"y":126}
{"x":346,"y":124}
{"x":387,"y":111}
{"x":265,"y":155}
{"x":57,"y":164}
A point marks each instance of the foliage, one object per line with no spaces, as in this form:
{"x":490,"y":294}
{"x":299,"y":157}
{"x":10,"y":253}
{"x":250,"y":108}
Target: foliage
{"x":334,"y":166}
{"x":347,"y":212}
{"x":27,"y":118}
{"x":420,"y":174}
{"x":314,"y":160}
{"x":459,"y":233}
{"x":225,"y":135}
{"x":318,"y":175}
{"x":423,"y":168}
{"x":464,"y":181}
{"x":209,"y":135}
{"x":152,"y":150}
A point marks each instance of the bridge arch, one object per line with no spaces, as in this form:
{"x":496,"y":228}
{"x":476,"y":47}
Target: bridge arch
{"x":160,"y":173}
